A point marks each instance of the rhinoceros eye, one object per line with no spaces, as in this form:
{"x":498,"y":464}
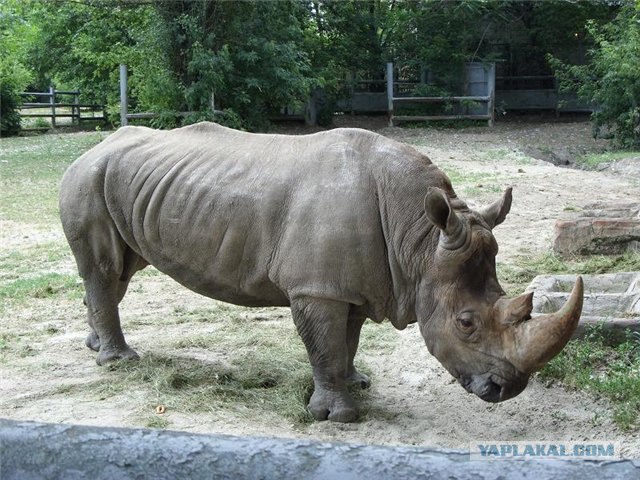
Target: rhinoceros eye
{"x":465,"y":322}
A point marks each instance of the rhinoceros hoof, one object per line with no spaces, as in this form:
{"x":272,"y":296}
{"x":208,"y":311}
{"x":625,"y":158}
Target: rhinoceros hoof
{"x":359,"y":379}
{"x":93,"y":341}
{"x":335,"y":406}
{"x":125,"y":353}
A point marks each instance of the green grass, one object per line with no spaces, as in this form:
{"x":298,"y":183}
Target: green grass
{"x":474,"y":184}
{"x":459,"y":124}
{"x":30,"y":171}
{"x":24,"y":262}
{"x":592,"y":161}
{"x":42,"y":286}
{"x":612,"y":372}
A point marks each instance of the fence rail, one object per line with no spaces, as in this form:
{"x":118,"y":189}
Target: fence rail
{"x":79,"y":112}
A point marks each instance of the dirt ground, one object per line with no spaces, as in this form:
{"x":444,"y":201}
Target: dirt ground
{"x":413,"y":400}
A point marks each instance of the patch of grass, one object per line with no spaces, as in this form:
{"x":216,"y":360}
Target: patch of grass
{"x":378,"y":338}
{"x":31,"y":169}
{"x":157,"y":421}
{"x":43,"y":286}
{"x":612,"y":372}
{"x":5,"y":340}
{"x":459,"y":177}
{"x":264,"y":380}
{"x":495,"y":154}
{"x":459,"y":124}
{"x":518,"y":276}
{"x":265,"y":368}
{"x":474,"y":184}
{"x":592,"y":161}
{"x":15,"y":264}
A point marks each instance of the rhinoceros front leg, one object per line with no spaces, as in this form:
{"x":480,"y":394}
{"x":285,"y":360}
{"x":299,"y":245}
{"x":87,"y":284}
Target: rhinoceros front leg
{"x":322,"y":324}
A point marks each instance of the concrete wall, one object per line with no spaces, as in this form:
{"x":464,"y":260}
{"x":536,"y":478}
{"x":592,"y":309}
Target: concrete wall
{"x":36,"y":451}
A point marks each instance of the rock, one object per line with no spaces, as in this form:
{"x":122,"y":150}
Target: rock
{"x":606,"y":229}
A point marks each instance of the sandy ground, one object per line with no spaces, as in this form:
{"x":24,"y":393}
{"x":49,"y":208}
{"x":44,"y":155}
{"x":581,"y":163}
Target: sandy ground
{"x":414,"y":401}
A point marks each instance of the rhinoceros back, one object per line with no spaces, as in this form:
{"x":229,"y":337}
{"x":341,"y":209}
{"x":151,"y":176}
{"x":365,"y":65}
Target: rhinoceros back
{"x":249,"y":219}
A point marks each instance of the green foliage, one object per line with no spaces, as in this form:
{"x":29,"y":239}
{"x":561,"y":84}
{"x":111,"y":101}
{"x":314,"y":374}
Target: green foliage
{"x":15,"y":75}
{"x":9,"y":109}
{"x":250,"y":54}
{"x":611,"y":81}
{"x":258,"y":57}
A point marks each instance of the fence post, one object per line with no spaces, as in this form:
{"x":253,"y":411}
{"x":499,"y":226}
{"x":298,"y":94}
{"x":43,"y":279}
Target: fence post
{"x":491,"y":84}
{"x":351,"y":89}
{"x":212,"y":104}
{"x":52,"y":102}
{"x":75,"y":110}
{"x":123,"y":95}
{"x":390,"y":93}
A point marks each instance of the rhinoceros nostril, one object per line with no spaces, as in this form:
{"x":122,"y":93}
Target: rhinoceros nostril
{"x":490,"y":391}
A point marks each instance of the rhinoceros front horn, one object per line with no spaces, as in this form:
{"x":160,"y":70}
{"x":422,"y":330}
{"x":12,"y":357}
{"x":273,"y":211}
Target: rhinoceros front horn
{"x":541,"y":338}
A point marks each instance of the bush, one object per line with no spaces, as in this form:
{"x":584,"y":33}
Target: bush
{"x":9,"y":110}
{"x":611,"y":81}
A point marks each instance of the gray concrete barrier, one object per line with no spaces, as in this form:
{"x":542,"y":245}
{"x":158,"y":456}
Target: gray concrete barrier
{"x":37,"y":451}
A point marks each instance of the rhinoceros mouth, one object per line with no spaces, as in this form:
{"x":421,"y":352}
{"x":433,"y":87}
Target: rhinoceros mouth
{"x":493,"y":388}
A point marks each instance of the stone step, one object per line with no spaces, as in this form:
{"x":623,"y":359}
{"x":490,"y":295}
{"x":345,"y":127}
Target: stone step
{"x":611,"y":302}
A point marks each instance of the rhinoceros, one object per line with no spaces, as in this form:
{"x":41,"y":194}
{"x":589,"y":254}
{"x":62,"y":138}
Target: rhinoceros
{"x":341,"y":226}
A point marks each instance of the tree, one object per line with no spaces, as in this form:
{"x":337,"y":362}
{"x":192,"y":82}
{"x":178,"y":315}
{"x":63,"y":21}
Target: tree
{"x":15,"y":73}
{"x":79,"y":45}
{"x":611,"y":79}
{"x":250,"y":54}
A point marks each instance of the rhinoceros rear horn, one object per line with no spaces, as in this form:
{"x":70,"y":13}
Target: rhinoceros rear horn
{"x":541,"y":338}
{"x":495,"y":213}
{"x":442,"y":215}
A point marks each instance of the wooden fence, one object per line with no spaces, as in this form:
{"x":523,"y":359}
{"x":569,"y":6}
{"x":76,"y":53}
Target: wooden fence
{"x":51,"y":107}
{"x":477,"y":103}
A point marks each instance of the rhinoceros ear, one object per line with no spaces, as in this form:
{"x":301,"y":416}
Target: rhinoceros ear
{"x":439,"y":212}
{"x":495,"y":213}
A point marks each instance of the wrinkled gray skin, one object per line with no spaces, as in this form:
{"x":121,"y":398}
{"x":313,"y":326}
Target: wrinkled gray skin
{"x":341,"y":226}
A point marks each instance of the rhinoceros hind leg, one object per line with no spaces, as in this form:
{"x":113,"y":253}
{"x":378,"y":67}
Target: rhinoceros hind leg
{"x":322,"y":324}
{"x":132,"y":264}
{"x":103,"y":293}
{"x":354,"y":377}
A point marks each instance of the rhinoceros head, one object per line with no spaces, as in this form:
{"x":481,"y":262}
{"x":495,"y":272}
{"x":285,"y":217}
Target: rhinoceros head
{"x":487,"y":341}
